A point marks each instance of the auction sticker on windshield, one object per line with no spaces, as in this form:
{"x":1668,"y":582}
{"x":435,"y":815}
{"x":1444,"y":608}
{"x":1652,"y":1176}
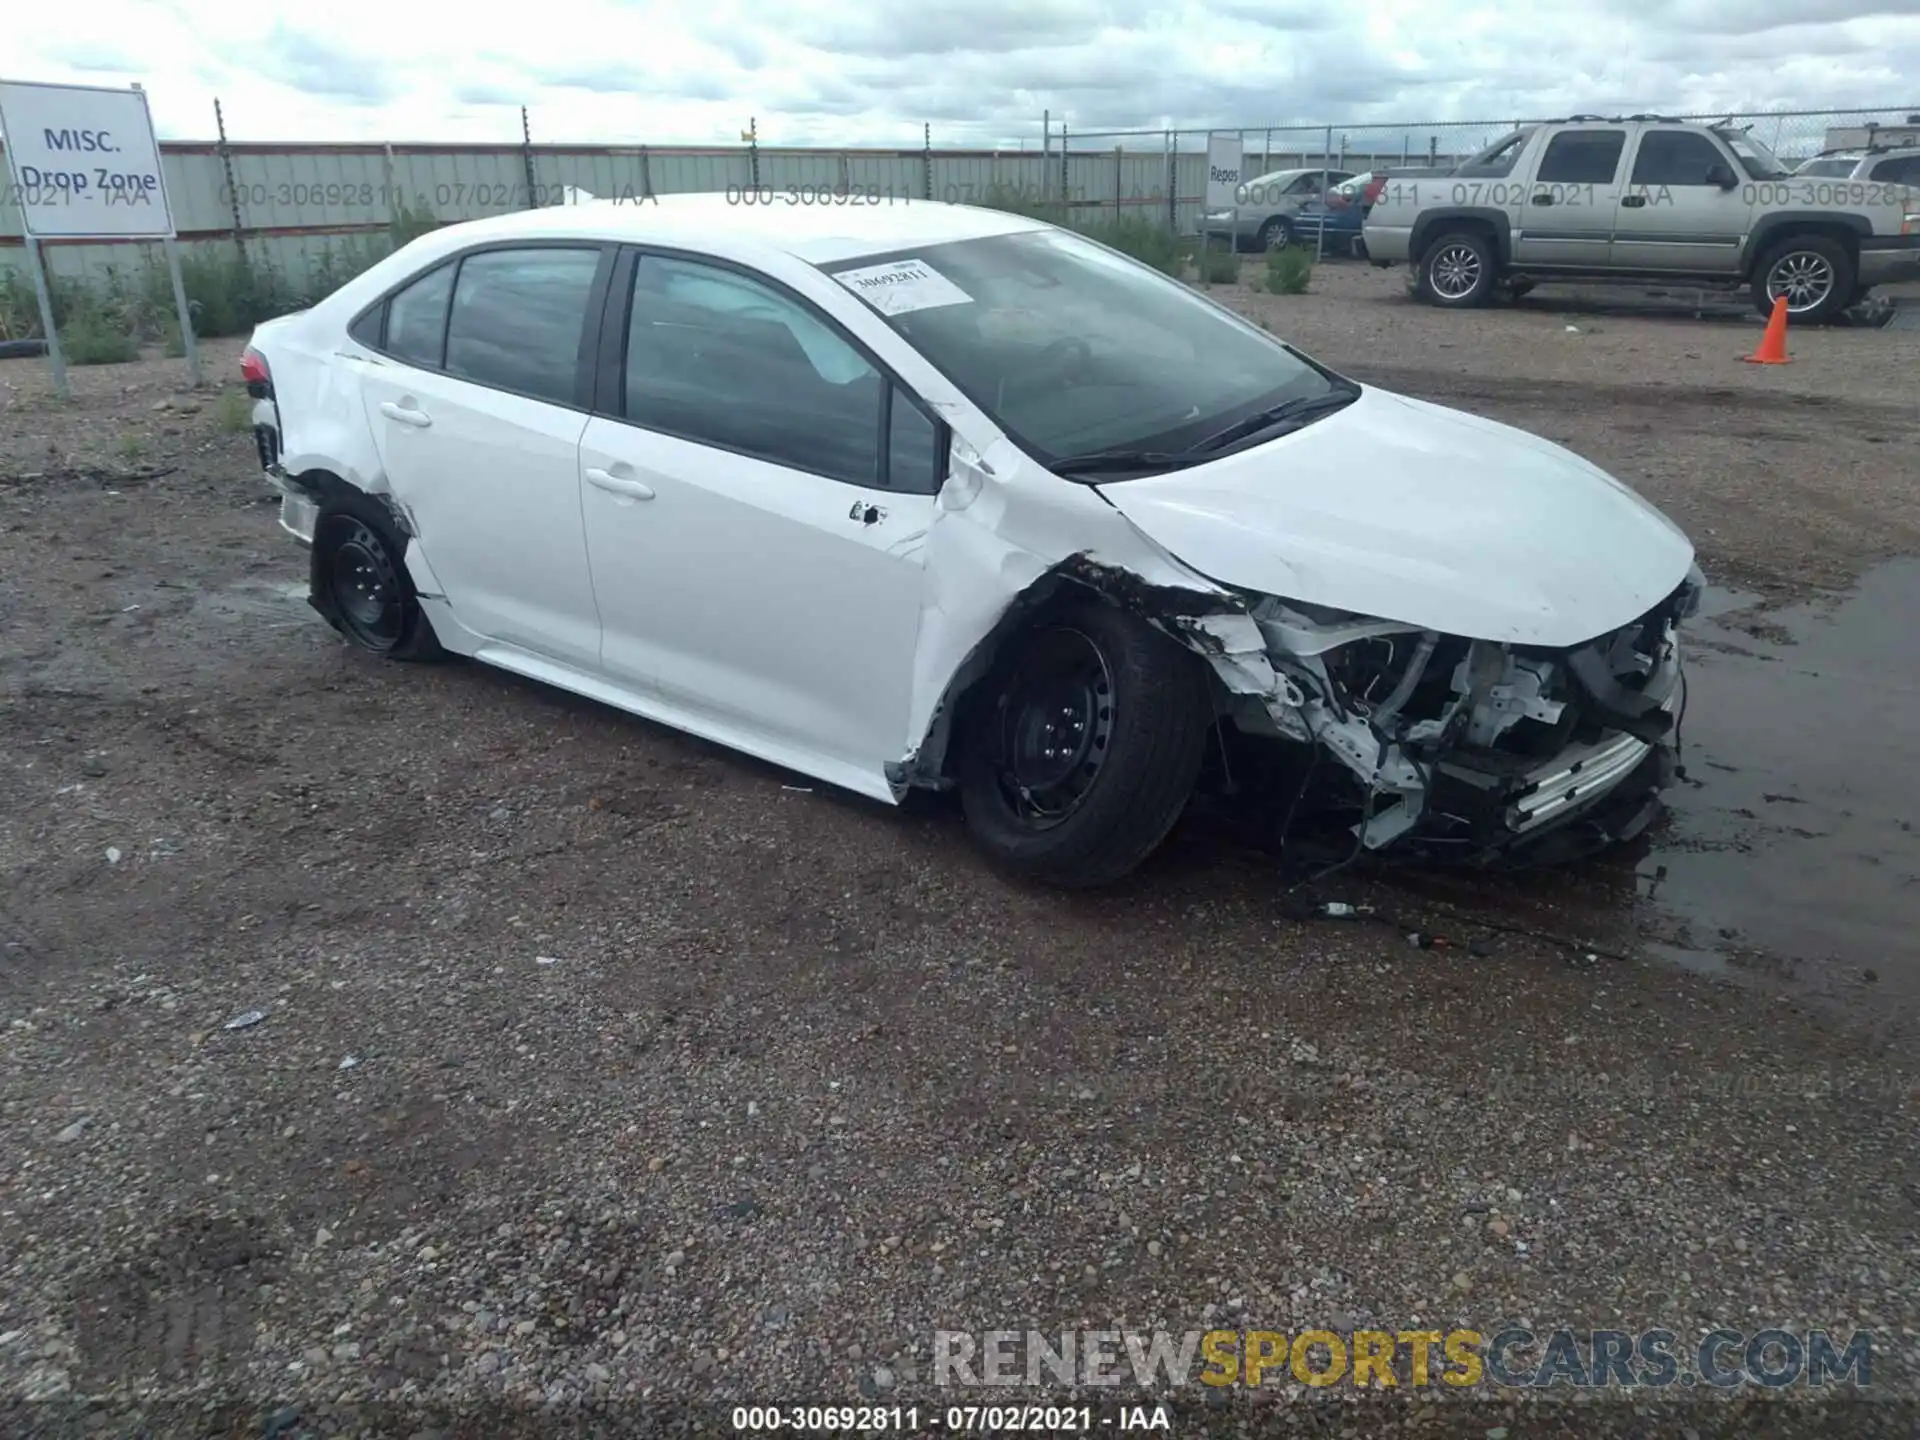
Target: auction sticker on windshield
{"x":903,"y":286}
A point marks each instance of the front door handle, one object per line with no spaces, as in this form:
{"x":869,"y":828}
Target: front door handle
{"x":1543,"y":199}
{"x":615,"y":485}
{"x":406,"y":415}
{"x":1633,"y":202}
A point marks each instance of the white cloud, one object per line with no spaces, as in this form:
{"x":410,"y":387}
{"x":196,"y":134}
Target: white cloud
{"x":873,"y":71}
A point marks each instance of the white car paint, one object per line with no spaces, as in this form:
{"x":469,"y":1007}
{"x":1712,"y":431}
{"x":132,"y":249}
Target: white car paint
{"x":1408,"y":511}
{"x":732,"y":598}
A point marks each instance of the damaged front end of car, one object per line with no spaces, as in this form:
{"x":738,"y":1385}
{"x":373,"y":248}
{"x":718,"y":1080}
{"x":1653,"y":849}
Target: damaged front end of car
{"x":1473,"y":750}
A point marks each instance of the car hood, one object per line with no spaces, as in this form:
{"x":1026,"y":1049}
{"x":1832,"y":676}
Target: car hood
{"x":1407,"y":511}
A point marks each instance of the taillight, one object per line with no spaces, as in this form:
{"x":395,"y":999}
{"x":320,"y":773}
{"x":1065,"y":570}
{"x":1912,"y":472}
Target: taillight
{"x":1374,"y":187}
{"x":253,"y":369}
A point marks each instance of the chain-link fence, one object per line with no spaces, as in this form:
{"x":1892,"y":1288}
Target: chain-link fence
{"x":298,"y":218}
{"x":1180,"y":166}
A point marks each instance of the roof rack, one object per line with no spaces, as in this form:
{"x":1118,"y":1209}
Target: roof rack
{"x":1614,"y":119}
{"x":1877,"y":147}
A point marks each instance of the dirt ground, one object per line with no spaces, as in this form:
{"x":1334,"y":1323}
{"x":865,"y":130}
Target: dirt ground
{"x":600,"y":1066}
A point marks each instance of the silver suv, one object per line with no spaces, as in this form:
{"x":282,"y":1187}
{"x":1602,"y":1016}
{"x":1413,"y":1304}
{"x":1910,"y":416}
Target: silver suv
{"x":1646,"y":198}
{"x":1888,"y":164}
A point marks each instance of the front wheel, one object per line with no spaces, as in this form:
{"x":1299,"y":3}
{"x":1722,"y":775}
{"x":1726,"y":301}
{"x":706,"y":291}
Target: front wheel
{"x":1276,"y":234}
{"x":1813,"y":273}
{"x":1457,"y":271}
{"x":1085,"y":748}
{"x":359,"y":581}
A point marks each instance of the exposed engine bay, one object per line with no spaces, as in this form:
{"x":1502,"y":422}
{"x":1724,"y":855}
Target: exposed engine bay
{"x":1471,"y":744}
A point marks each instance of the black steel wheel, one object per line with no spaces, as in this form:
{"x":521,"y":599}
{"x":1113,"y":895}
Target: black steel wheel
{"x":366,"y":589}
{"x":359,"y":580}
{"x":1055,"y":728}
{"x":1082,"y":749}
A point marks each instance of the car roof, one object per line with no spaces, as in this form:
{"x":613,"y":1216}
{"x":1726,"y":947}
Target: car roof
{"x":1861,"y":152}
{"x":818,"y":227}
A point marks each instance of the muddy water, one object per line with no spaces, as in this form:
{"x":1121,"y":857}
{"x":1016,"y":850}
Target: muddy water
{"x":1794,"y":844}
{"x":1791,"y":856}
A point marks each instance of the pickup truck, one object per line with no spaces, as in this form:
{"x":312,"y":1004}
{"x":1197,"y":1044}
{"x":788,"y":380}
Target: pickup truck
{"x":1645,"y":199}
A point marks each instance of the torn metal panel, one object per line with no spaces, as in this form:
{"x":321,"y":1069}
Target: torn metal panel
{"x":1004,"y":537}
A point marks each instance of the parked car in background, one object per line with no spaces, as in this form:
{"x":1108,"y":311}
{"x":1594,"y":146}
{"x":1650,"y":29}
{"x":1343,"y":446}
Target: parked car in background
{"x":1332,"y":222}
{"x":1267,"y":205}
{"x":932,"y":496}
{"x":1641,"y":198}
{"x":1899,"y":164}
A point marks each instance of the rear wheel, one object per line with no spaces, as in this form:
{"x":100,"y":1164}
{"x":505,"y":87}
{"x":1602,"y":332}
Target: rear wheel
{"x":1814,"y":273}
{"x":1085,"y":748}
{"x":1457,"y":271}
{"x":359,"y":581}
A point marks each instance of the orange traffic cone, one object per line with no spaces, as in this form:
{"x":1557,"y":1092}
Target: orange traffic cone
{"x":1773,"y":345}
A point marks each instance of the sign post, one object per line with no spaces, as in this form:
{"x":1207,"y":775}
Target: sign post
{"x":56,"y":362}
{"x":1223,"y":192}
{"x":85,"y":166}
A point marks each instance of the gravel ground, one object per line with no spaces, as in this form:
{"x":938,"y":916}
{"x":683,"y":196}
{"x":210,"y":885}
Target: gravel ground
{"x":599,"y":1066}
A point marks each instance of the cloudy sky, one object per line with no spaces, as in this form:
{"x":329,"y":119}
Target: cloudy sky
{"x":872,"y":71}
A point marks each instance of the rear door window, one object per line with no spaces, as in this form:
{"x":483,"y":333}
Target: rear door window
{"x":1676,"y":157}
{"x":417,"y":319}
{"x":1582,"y":157}
{"x":518,"y":317}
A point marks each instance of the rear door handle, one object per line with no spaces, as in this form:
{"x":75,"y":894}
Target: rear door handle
{"x":615,"y":485}
{"x":1543,"y":199}
{"x":406,"y":415}
{"x":1633,"y":202}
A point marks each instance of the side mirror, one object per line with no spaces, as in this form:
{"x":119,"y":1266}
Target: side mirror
{"x":1722,"y":176}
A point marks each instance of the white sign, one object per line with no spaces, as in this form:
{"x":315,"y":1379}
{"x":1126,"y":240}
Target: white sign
{"x":84,"y":162}
{"x":902,"y":286}
{"x":1223,"y":172}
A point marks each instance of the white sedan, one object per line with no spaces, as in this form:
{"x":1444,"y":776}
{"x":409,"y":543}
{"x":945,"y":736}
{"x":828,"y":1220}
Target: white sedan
{"x":909,"y":495}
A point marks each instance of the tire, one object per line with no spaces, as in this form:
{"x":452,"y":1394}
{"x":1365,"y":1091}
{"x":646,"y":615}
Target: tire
{"x":1818,"y":263}
{"x":1126,"y":692}
{"x":359,"y":581}
{"x":1458,"y":270}
{"x":1275,"y":234}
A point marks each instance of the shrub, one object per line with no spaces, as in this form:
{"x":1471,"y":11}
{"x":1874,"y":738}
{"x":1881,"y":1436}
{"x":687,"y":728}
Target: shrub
{"x":1289,"y":271}
{"x":93,"y":338}
{"x":1132,"y":235}
{"x":1142,"y":239}
{"x":233,"y":411}
{"x":19,"y":308}
{"x":227,"y":294}
{"x":1219,"y":267}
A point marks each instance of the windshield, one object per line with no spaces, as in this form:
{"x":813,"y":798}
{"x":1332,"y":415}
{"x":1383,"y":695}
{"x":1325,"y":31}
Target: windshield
{"x":1269,"y":188}
{"x":1497,"y":159}
{"x":1757,"y":160}
{"x":1838,"y":169}
{"x":1070,"y":347}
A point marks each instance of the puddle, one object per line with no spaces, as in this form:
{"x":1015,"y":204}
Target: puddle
{"x":282,"y":601}
{"x":1794,"y":843}
{"x":1791,"y":854}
